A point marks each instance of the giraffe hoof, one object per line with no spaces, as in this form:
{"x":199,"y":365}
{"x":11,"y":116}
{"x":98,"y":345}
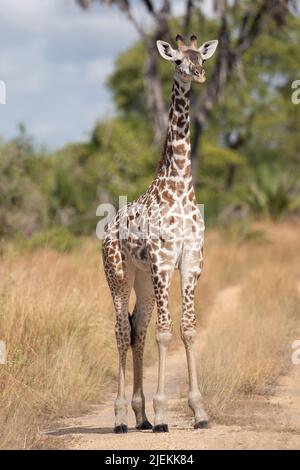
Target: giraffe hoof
{"x":122,"y":429}
{"x":145,"y":425}
{"x":161,"y":428}
{"x":202,"y":425}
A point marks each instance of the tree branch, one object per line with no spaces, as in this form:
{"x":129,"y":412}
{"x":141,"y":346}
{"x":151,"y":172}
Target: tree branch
{"x":187,"y":17}
{"x":152,"y":83}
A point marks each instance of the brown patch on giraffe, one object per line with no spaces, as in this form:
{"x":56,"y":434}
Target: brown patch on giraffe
{"x":169,"y":245}
{"x":174,"y":124}
{"x":181,"y":120}
{"x":180,"y":186}
{"x":168,"y":197}
{"x":162,"y":184}
{"x":163,"y":155}
{"x":180,"y":134}
{"x":143,"y":254}
{"x":174,"y":172}
{"x":191,"y":196}
{"x":186,"y":129}
{"x":179,"y":149}
{"x":180,"y":102}
{"x":188,"y":171}
{"x":181,"y":163}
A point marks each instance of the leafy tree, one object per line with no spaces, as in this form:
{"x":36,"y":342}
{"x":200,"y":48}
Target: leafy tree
{"x":23,"y":198}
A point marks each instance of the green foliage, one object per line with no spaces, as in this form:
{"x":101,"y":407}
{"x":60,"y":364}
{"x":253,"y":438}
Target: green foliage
{"x":58,"y":238}
{"x":23,"y":204}
{"x":273,"y":193}
{"x":124,"y":149}
{"x":128,"y":71}
{"x":115,"y":162}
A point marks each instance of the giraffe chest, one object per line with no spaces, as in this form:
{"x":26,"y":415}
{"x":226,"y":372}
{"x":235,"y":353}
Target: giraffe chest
{"x":162,"y":234}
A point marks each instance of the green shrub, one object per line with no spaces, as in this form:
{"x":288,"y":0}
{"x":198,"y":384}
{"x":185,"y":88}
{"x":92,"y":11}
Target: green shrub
{"x":59,"y":238}
{"x":273,"y":193}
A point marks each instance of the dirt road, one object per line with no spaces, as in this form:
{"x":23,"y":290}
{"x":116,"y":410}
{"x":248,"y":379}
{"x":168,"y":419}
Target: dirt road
{"x":257,"y":423}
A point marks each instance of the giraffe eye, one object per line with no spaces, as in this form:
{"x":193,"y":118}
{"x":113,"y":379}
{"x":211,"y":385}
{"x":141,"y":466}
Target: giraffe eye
{"x":178,"y":62}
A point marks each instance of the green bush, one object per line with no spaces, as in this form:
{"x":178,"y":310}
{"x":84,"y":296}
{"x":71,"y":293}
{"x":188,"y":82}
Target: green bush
{"x":273,"y":193}
{"x":59,"y":238}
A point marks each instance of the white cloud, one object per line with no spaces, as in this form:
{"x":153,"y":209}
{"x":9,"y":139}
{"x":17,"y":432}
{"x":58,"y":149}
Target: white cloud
{"x":55,"y":60}
{"x":26,"y":15}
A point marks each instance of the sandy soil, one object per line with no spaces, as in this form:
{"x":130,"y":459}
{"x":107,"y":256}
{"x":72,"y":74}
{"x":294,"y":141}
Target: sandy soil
{"x":258,"y":423}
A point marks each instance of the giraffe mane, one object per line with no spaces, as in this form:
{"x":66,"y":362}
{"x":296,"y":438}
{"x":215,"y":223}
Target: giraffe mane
{"x":163,"y":153}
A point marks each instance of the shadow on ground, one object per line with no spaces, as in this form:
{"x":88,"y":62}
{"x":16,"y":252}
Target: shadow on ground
{"x":83,"y":430}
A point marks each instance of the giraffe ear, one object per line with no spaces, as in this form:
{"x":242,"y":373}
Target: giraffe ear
{"x":208,"y":49}
{"x":166,"y":51}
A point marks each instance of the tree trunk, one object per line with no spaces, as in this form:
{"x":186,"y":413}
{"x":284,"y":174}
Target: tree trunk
{"x":155,"y":100}
{"x":230,"y":176}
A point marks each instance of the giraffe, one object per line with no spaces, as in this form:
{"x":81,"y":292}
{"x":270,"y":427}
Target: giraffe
{"x":147,"y":240}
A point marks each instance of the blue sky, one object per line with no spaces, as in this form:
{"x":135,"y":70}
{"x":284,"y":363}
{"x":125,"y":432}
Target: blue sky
{"x":55,"y":60}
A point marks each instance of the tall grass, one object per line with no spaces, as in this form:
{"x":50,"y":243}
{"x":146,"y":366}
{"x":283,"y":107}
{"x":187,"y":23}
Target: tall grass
{"x":57,"y":321}
{"x":249,"y":328}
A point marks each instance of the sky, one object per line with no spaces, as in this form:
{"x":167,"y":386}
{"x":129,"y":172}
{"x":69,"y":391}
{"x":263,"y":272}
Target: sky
{"x":55,"y":60}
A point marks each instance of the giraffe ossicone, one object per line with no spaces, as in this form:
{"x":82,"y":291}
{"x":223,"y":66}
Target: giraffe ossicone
{"x":172,"y":229}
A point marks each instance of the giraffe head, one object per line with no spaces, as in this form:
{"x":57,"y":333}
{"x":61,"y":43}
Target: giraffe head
{"x":188,"y":60}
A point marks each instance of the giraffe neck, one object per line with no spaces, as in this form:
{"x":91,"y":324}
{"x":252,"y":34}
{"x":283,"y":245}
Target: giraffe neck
{"x":175,"y":163}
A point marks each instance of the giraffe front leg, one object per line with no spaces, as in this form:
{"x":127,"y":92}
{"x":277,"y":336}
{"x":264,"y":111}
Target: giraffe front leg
{"x":188,"y":334}
{"x":161,"y":282}
{"x":160,"y":401}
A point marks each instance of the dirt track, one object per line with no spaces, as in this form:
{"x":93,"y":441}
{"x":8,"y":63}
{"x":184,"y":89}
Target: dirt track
{"x":257,"y":423}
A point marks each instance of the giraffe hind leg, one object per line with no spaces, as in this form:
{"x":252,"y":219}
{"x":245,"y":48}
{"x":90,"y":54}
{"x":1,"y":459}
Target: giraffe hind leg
{"x":120,"y":287}
{"x":139,"y":320}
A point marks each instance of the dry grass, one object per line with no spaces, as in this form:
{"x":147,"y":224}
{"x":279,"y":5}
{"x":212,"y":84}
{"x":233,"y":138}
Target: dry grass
{"x":249,"y":329}
{"x":57,"y":319}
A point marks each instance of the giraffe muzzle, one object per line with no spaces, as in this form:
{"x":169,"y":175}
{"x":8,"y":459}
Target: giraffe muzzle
{"x":199,"y":76}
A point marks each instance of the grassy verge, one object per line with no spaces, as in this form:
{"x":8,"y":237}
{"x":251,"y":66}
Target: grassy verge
{"x":249,"y":329}
{"x":57,"y":321}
